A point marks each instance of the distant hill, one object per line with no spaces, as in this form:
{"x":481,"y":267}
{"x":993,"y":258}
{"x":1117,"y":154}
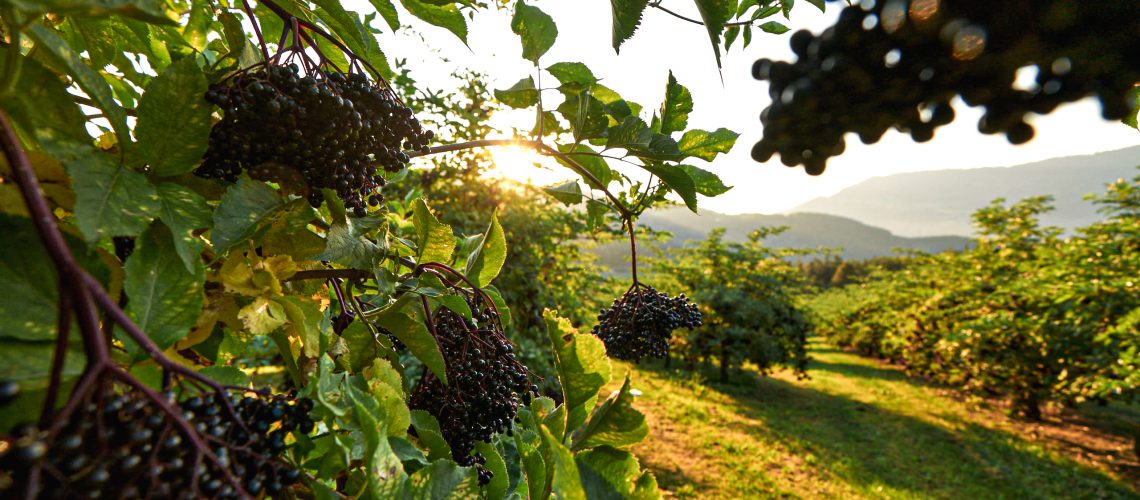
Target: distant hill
{"x":940,"y":202}
{"x":858,"y":240}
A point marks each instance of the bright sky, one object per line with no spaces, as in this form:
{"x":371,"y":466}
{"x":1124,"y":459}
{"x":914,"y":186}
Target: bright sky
{"x":664,"y":43}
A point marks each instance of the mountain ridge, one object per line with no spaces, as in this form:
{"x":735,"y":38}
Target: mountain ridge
{"x":939,"y":202}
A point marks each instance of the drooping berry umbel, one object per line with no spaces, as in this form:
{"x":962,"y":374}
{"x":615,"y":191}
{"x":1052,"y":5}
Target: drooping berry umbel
{"x":641,"y":323}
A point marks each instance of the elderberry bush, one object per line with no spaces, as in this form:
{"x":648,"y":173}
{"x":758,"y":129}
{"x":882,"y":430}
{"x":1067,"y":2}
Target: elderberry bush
{"x":121,"y":445}
{"x":641,"y":323}
{"x":485,"y":383}
{"x":899,"y":63}
{"x":311,"y":132}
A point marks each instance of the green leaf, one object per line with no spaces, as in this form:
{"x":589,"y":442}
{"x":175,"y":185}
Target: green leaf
{"x":242,"y":209}
{"x":730,"y":35}
{"x":441,"y":480}
{"x":596,"y":213}
{"x":535,"y":28}
{"x":706,"y":145}
{"x":150,"y":11}
{"x":184,"y":211}
{"x":164,"y":298}
{"x":631,"y":134}
{"x":110,"y":200}
{"x":586,"y":114}
{"x":359,"y":38}
{"x":445,"y":16}
{"x":304,"y":318}
{"x":573,"y":74}
{"x":1134,"y":98}
{"x":388,"y":12}
{"x":29,"y":363}
{"x":414,"y":334}
{"x":86,"y":78}
{"x":435,"y":241}
{"x":613,"y":423}
{"x":566,"y":483}
{"x":786,"y":6}
{"x":362,"y":346}
{"x":520,"y":95}
{"x":581,"y":363}
{"x":569,"y":193}
{"x":30,"y":281}
{"x":817,"y":3}
{"x":383,"y":470}
{"x":456,"y":304}
{"x":226,"y":375}
{"x":705,"y":182}
{"x":498,"y":467}
{"x":677,"y":180}
{"x":430,"y":435}
{"x":533,"y":466}
{"x":676,"y":108}
{"x":174,"y":120}
{"x":345,"y":244}
{"x":715,"y":13}
{"x":41,"y":105}
{"x":626,"y":18}
{"x":661,"y":147}
{"x":500,"y":304}
{"x":611,"y":473}
{"x":98,"y":39}
{"x":590,"y":160}
{"x":489,"y":255}
{"x":774,"y":28}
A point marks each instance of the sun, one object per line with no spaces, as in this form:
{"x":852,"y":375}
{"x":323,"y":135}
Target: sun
{"x":523,"y":164}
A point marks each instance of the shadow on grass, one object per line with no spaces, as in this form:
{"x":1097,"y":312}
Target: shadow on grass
{"x":868,"y":447}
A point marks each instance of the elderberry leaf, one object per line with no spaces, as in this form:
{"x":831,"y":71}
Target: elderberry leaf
{"x":443,"y":479}
{"x":30,"y":281}
{"x":522,"y":94}
{"x":677,"y":180}
{"x":435,"y":241}
{"x":774,"y":28}
{"x":383,"y":470}
{"x":345,"y":245}
{"x":484,"y":265}
{"x":586,"y":115}
{"x":569,"y":193}
{"x":614,"y":423}
{"x":263,"y":316}
{"x":226,"y":375}
{"x":240,"y":212}
{"x":533,"y":464}
{"x":626,"y":18}
{"x":500,"y":481}
{"x":41,"y":106}
{"x":596,"y":213}
{"x":362,"y":346}
{"x":62,"y":55}
{"x":387,"y":386}
{"x":715,"y":13}
{"x":536,"y":29}
{"x":581,"y":363}
{"x":184,"y":211}
{"x":149,"y":11}
{"x":174,"y":120}
{"x":611,"y":473}
{"x":359,"y":38}
{"x":1134,"y":97}
{"x":676,"y":107}
{"x":29,"y":363}
{"x":631,"y":134}
{"x":705,"y":182}
{"x":456,"y":304}
{"x":414,"y":334}
{"x":304,"y":317}
{"x":164,"y":297}
{"x":565,"y":481}
{"x":445,"y":16}
{"x":706,"y":145}
{"x":573,"y":76}
{"x":110,"y":199}
{"x":430,"y":435}
{"x":388,"y":12}
{"x":590,"y":160}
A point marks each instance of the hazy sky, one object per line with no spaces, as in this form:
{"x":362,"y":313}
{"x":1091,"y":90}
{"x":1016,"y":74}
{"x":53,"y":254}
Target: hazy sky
{"x":664,"y":43}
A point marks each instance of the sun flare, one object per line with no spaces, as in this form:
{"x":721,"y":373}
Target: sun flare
{"x":525,"y":165}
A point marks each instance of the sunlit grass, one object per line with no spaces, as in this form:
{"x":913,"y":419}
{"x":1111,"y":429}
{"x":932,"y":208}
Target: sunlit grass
{"x":855,"y":430}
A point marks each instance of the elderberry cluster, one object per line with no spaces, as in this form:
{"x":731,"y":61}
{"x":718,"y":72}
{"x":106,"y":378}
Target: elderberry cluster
{"x":311,"y":132}
{"x":485,"y":384}
{"x":899,"y":63}
{"x":121,"y":445}
{"x":641,"y":322}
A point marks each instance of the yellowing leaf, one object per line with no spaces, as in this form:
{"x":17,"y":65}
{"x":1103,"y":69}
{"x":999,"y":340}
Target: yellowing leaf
{"x":262,"y":316}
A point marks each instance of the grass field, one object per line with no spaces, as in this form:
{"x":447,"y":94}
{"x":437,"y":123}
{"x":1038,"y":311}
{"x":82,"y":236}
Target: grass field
{"x":861,"y":429}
